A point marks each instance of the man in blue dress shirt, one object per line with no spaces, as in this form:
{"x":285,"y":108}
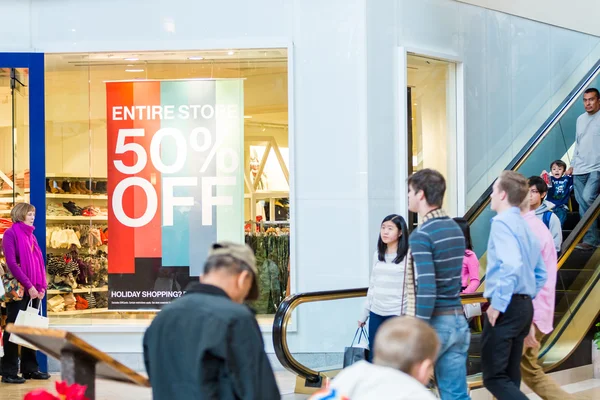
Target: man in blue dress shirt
{"x":515,"y":274}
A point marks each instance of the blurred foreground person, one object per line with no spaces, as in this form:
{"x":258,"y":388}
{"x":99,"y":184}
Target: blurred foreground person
{"x":207,"y":344}
{"x":405,"y":351}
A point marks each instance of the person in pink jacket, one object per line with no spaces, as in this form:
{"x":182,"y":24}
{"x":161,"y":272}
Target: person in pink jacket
{"x":470,"y":269}
{"x":25,"y":262}
{"x":543,"y":315}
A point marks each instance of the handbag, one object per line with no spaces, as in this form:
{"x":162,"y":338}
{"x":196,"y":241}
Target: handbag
{"x":30,"y":318}
{"x":12,"y":288}
{"x":472,"y":310}
{"x":360,"y":352}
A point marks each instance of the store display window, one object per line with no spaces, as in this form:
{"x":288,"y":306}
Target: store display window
{"x":149,"y":158}
{"x":15,"y":185}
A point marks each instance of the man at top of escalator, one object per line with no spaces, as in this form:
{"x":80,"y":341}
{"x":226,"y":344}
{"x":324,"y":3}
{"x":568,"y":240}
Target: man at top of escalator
{"x":585,"y":166}
{"x":437,"y":250}
{"x":544,"y":209}
{"x":515,"y":275}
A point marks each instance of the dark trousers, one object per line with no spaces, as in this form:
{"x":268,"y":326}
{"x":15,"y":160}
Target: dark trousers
{"x":502,"y":349}
{"x":10,"y":361}
{"x":375,"y":321}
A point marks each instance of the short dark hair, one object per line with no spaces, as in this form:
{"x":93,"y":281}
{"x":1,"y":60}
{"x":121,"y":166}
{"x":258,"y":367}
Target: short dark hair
{"x":559,"y":163}
{"x":432,"y":183}
{"x":539,"y":184}
{"x":593,"y":90}
{"x":464,"y":226}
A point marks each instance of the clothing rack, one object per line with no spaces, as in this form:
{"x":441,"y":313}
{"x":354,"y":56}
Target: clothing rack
{"x":262,"y":224}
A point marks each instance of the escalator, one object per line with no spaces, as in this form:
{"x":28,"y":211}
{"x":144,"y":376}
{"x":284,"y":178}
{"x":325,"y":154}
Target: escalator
{"x":578,"y":280}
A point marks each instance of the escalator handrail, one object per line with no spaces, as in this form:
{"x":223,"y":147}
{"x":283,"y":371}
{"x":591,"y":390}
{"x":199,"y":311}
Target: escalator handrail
{"x":591,"y":215}
{"x":566,"y":320}
{"x":284,"y":313}
{"x":287,"y":306}
{"x":536,"y":139}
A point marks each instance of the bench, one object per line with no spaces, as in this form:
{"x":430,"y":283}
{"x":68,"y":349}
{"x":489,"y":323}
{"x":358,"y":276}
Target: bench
{"x":80,"y":362}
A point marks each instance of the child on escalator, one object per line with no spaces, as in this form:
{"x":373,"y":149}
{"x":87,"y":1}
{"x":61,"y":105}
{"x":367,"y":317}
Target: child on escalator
{"x":560,"y":187}
{"x":544,"y":209}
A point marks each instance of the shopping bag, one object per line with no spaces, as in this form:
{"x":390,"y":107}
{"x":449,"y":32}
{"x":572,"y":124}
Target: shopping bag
{"x":472,"y":310}
{"x":13,"y":290}
{"x":1,"y":345}
{"x":30,"y":318}
{"x":358,"y":352}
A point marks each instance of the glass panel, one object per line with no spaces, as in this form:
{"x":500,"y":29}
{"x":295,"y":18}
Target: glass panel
{"x":80,"y":151}
{"x":323,"y":339}
{"x":14,"y":145}
{"x":575,"y":273}
{"x":557,"y":144}
{"x":14,"y":138}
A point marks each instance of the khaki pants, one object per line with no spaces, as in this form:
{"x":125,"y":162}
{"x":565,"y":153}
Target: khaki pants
{"x":533,"y":375}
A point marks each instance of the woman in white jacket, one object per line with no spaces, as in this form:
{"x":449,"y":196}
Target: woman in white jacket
{"x":386,"y":297}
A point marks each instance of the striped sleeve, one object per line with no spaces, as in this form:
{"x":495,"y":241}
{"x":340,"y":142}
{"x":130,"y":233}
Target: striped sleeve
{"x":422,"y":252}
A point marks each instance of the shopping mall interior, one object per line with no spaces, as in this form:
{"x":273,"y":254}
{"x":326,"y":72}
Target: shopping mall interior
{"x":294,"y":129}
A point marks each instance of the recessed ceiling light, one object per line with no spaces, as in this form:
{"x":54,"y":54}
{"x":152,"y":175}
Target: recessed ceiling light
{"x":132,"y":59}
{"x":231,"y":52}
{"x":134,"y":70}
{"x":194,"y":58}
{"x":247,"y":116}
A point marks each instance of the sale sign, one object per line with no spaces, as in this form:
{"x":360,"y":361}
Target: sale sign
{"x":175,"y":183}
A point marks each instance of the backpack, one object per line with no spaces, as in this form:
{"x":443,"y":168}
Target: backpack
{"x":546,"y":218}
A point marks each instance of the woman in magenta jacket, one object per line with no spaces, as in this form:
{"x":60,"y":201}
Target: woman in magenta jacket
{"x":26,"y":263}
{"x":470,"y":269}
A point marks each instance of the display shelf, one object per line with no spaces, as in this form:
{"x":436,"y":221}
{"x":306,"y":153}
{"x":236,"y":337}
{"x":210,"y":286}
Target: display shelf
{"x":17,"y":199}
{"x":75,"y":176}
{"x":9,"y":192}
{"x":76,"y":196}
{"x":75,"y":218}
{"x":84,"y":290}
{"x":77,"y":312}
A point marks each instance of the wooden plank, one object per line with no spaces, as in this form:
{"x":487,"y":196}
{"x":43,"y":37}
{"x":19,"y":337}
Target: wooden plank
{"x":54,"y":342}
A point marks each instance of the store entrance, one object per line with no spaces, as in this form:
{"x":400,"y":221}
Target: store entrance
{"x":431,"y":130}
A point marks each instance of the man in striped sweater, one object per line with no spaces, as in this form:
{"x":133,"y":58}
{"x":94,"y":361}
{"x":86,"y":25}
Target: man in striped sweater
{"x":437,"y":248}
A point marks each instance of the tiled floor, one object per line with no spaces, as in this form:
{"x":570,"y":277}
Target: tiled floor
{"x":105,"y":390}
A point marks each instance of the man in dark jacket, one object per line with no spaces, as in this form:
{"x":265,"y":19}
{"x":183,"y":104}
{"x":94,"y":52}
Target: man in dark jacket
{"x":207,"y":344}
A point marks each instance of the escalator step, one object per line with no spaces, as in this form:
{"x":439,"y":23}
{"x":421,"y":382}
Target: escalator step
{"x":475,"y":345}
{"x":473,"y":365}
{"x":571,"y":221}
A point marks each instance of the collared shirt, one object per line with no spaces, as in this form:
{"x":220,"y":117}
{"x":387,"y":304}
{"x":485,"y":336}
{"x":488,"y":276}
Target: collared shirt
{"x":515,"y":264}
{"x":543,"y":304}
{"x":205,"y":346}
